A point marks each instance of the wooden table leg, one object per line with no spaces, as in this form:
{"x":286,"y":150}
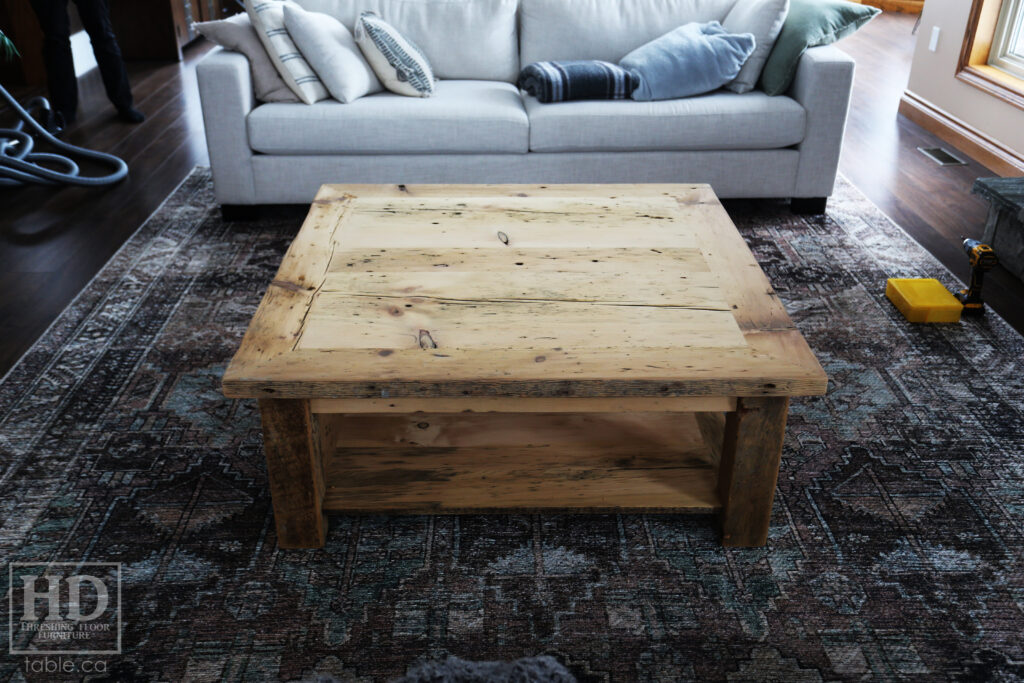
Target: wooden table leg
{"x":294,"y":467}
{"x":749,"y":468}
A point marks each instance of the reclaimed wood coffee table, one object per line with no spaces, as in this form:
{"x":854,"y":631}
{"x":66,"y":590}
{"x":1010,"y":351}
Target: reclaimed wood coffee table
{"x":486,"y":348}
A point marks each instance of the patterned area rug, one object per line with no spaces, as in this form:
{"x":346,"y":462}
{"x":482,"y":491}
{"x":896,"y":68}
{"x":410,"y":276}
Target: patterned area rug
{"x":896,"y":544}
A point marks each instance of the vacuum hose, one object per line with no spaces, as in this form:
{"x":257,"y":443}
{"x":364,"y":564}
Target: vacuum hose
{"x":18,"y":163}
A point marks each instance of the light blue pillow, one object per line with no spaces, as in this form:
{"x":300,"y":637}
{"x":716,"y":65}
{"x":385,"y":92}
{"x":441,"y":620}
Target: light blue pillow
{"x":690,"y":60}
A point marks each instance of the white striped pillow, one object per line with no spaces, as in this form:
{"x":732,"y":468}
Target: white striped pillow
{"x":399,"y":64}
{"x":267,"y":17}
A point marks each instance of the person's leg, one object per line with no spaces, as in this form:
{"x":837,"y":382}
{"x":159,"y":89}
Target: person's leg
{"x":96,"y":19}
{"x":60,"y":68}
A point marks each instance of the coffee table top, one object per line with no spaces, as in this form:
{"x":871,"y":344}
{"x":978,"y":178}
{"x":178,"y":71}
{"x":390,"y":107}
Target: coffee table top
{"x":520,"y":291}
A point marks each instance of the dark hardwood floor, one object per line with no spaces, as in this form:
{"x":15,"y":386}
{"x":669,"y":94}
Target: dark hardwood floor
{"x":52,"y":243}
{"x":932,"y":203}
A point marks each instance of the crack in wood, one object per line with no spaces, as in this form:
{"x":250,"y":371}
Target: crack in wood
{"x":514,"y":300}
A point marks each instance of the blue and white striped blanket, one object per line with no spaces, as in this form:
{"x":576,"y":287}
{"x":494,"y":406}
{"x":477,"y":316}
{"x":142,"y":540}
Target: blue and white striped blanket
{"x":577,"y":80}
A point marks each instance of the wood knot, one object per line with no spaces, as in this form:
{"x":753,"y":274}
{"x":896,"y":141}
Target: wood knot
{"x":540,"y":359}
{"x":426,"y":341}
{"x":502,"y":237}
{"x":385,"y":352}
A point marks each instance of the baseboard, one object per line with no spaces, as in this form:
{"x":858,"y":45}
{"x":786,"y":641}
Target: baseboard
{"x":998,"y":158}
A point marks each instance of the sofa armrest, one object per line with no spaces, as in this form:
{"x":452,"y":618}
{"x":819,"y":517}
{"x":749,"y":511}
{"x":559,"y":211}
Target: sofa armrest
{"x":824,"y":80}
{"x":226,"y":95}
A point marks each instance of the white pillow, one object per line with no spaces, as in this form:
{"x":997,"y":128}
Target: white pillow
{"x":399,"y":64}
{"x":236,"y":33}
{"x":332,"y":52}
{"x":267,"y":17}
{"x":764,"y":19}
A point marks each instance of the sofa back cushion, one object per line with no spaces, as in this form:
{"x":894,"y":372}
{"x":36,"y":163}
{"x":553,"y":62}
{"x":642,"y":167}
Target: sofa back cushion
{"x":604,"y":29}
{"x":462,"y":39}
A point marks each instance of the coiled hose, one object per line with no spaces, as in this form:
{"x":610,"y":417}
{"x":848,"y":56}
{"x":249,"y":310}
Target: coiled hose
{"x":19,"y":164}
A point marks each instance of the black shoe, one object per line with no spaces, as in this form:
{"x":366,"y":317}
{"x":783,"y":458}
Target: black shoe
{"x":55,"y":123}
{"x":131,"y":115}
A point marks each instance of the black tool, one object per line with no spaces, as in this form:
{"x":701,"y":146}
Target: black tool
{"x":982,"y":260}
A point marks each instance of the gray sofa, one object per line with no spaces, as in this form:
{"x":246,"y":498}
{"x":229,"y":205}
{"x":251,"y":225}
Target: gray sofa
{"x":478,"y":127}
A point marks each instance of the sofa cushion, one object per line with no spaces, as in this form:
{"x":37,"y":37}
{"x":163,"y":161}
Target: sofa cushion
{"x":605,"y":29}
{"x":462,"y":39}
{"x":461,"y":117}
{"x":720,"y":121}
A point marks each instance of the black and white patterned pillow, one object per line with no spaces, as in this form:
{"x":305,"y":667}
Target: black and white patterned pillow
{"x":399,"y":64}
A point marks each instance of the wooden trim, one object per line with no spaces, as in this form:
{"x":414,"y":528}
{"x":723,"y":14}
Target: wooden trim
{"x":981,"y":25}
{"x":908,"y":6}
{"x":973,"y":67}
{"x":679,"y":404}
{"x":1000,"y":85}
{"x":969,"y":140}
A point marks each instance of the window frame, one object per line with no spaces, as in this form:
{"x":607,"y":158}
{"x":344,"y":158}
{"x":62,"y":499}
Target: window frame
{"x":973,"y":66}
{"x":1008,"y":34}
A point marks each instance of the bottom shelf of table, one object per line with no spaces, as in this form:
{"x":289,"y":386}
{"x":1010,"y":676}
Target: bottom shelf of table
{"x":495,"y":462}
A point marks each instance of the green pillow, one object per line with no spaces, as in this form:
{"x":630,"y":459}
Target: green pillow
{"x":810,"y":23}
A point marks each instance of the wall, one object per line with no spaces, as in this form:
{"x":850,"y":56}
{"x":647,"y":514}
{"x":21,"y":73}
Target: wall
{"x":933,"y":78}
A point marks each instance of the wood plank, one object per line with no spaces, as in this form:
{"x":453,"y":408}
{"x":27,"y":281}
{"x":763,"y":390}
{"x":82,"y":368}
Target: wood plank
{"x":749,"y":469}
{"x":587,"y":476}
{"x":291,"y":442}
{"x":633,"y":372}
{"x":591,"y":220}
{"x":652,"y":286}
{"x":756,"y":307}
{"x":688,"y":192}
{"x":659,"y":431}
{"x":336,"y":321}
{"x":567,"y":260}
{"x":277,"y":324}
{"x":712,"y":429}
{"x":474,"y":481}
{"x":679,"y":404}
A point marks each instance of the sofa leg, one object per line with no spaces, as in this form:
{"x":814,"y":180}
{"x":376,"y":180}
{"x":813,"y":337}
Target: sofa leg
{"x":239,"y":213}
{"x":814,"y":206}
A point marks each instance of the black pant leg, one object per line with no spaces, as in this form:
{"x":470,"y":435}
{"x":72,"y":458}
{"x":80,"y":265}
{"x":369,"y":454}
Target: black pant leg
{"x":95,"y":16}
{"x":60,"y":67}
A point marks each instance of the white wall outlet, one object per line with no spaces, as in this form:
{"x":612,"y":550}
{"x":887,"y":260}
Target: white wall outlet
{"x":933,"y":44}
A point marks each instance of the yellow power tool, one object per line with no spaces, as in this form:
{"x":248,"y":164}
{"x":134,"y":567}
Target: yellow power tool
{"x":982,"y":260}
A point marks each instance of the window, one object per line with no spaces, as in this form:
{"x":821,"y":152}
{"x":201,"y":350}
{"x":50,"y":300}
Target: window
{"x":992,"y":57}
{"x":1007,"y":51}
